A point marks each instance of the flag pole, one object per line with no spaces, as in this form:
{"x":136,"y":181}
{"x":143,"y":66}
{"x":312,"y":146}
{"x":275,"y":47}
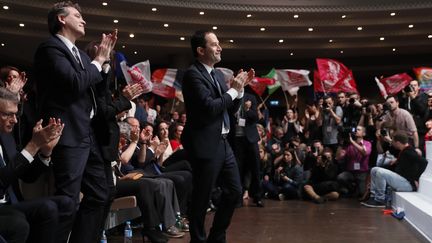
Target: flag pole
{"x":263,"y":101}
{"x":286,"y":99}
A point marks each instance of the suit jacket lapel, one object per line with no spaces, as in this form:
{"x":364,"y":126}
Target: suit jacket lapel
{"x":204,"y":72}
{"x":68,"y":53}
{"x":9,"y":147}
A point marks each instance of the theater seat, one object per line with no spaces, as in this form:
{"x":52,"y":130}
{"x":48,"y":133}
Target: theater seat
{"x":123,"y":203}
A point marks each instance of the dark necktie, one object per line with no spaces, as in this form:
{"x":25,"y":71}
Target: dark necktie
{"x":225,"y":114}
{"x":9,"y":191}
{"x":78,"y":59}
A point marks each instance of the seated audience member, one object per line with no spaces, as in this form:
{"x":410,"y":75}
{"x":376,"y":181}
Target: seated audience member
{"x":175,"y":132}
{"x":156,"y":198}
{"x":428,"y":135}
{"x":356,"y":159}
{"x":13,"y":79}
{"x":404,"y":177}
{"x":276,"y":138}
{"x":182,"y":119}
{"x":288,"y":176}
{"x":37,"y":218}
{"x":266,"y":166}
{"x":145,"y":155}
{"x":262,"y":134}
{"x":322,"y":184}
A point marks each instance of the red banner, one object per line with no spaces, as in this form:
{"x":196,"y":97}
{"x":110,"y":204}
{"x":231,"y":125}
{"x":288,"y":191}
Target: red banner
{"x":395,"y":83}
{"x":333,"y":76}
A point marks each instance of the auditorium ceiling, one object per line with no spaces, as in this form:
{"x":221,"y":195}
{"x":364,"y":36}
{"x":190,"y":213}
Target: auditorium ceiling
{"x":247,"y":29}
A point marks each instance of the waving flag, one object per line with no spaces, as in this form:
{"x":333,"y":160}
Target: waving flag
{"x":169,"y":76}
{"x":334,"y":77}
{"x":424,"y":76}
{"x":394,"y":83}
{"x":291,"y":79}
{"x":273,"y":87}
{"x":138,"y":73}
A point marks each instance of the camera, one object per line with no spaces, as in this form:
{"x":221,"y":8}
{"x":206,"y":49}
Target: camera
{"x":384,"y":132}
{"x":351,"y":101}
{"x":325,"y":105}
{"x":386,"y":106}
{"x":409,"y":89}
{"x":366,"y":106}
{"x":348,"y":132}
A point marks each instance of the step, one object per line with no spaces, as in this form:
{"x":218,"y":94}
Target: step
{"x":425,"y":186}
{"x":418,"y":211}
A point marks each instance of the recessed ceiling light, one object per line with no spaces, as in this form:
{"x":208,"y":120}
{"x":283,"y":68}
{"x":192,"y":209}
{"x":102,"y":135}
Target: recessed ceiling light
{"x":296,"y":16}
{"x":291,"y":54}
{"x":382,"y":38}
{"x":430,"y":36}
{"x":154,"y":9}
{"x":281,"y":41}
{"x":231,"y":41}
{"x":166,"y":25}
{"x":5,"y":7}
{"x":214,"y":27}
{"x":131,"y":35}
{"x":262,"y":29}
{"x":411,"y":26}
{"x":341,"y":52}
{"x":2,"y":44}
{"x":201,"y":13}
{"x":105,"y":4}
{"x":393,"y":14}
{"x":123,"y":46}
{"x":394,"y":49}
{"x":330,"y":41}
{"x":310,"y":29}
{"x":182,"y":38}
{"x":135,"y":52}
{"x":249,"y":16}
{"x":115,"y":21}
{"x":343,"y":16}
{"x":359,"y":28}
{"x":21,"y":25}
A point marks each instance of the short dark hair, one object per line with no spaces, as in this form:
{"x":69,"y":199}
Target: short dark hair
{"x":60,"y":8}
{"x":392,"y":96}
{"x":400,"y":137}
{"x":4,"y":72}
{"x":7,"y":95}
{"x":198,"y":40}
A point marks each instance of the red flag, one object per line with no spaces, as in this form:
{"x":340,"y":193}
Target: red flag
{"x":395,"y":83}
{"x":257,"y":86}
{"x":266,"y":81}
{"x":335,"y":76}
{"x":318,"y":85}
{"x":166,"y":76}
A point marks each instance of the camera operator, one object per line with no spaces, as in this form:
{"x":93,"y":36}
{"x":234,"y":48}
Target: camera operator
{"x":332,"y":118}
{"x":356,"y":159}
{"x":399,"y":119}
{"x":352,"y":111}
{"x":310,"y":160}
{"x":417,"y":105}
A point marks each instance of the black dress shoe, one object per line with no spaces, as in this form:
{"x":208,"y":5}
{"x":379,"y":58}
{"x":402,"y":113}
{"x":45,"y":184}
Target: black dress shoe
{"x":259,"y":204}
{"x":154,"y":235}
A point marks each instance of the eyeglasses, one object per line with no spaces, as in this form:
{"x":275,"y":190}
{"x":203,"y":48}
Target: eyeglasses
{"x":8,"y":115}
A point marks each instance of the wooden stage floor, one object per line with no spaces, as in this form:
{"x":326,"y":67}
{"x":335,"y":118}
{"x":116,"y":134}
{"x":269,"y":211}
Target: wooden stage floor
{"x":302,"y":221}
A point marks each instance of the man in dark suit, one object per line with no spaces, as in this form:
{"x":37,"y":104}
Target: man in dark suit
{"x":244,"y":140}
{"x":208,"y":104}
{"x":65,"y":83}
{"x":35,"y":220}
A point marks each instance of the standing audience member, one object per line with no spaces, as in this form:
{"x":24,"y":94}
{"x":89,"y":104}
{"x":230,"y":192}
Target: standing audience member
{"x":404,"y":175}
{"x":245,"y":146}
{"x":65,"y":80}
{"x":332,"y":118}
{"x":209,"y":104}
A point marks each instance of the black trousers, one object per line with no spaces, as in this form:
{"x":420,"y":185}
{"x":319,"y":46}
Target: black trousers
{"x":35,"y":220}
{"x":81,"y":169}
{"x":247,"y":156}
{"x":221,"y":170}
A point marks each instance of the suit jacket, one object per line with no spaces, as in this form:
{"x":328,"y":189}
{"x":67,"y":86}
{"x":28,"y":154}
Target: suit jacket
{"x":204,"y":109}
{"x":63,"y":88}
{"x":104,"y":124}
{"x":251,"y":117}
{"x":17,"y":166}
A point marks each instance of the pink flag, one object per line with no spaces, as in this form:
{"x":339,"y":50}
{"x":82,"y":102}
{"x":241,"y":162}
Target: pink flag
{"x":395,"y":83}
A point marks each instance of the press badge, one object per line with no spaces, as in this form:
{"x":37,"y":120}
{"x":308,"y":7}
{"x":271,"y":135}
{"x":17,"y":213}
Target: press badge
{"x":357,"y":166}
{"x":242,"y":122}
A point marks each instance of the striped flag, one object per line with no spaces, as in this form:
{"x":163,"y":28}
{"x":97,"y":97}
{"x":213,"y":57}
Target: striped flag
{"x":424,"y":76}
